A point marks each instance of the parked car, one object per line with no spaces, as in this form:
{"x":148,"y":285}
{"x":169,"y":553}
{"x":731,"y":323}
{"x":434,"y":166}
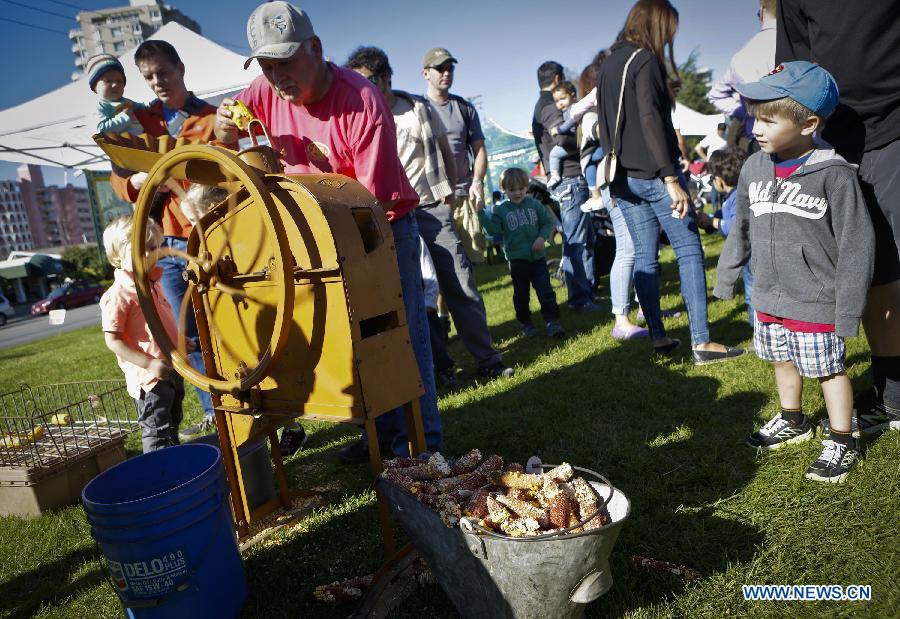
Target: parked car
{"x":6,"y":310}
{"x":68,"y":296}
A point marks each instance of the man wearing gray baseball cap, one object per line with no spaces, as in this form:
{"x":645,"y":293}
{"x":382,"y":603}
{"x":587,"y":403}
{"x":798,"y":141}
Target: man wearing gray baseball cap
{"x":328,"y":119}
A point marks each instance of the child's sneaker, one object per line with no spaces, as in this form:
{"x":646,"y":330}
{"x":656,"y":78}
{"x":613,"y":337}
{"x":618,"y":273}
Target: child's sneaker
{"x":205,"y":426}
{"x":834,"y":463}
{"x":554,"y":180}
{"x":869,"y":418}
{"x":446,"y":378}
{"x":528,"y":330}
{"x":555,"y":330}
{"x":778,"y":432}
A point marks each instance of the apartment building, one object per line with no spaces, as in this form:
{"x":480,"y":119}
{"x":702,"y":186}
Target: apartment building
{"x":115,"y":30}
{"x":15,"y":233}
{"x":57,"y":216}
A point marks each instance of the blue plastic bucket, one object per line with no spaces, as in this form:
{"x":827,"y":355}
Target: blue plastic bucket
{"x":164,"y":525}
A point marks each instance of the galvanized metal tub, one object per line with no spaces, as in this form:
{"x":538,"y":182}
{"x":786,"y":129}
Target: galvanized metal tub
{"x":487,"y":575}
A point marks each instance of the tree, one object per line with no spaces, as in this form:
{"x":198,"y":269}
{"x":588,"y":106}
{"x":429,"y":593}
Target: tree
{"x":695,"y":84}
{"x":84,"y":262}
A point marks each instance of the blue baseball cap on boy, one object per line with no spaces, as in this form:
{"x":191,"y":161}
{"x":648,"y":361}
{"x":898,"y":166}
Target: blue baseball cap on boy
{"x":805,"y":82}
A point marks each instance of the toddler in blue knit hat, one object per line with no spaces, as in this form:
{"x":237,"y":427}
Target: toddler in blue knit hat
{"x":114,"y":113}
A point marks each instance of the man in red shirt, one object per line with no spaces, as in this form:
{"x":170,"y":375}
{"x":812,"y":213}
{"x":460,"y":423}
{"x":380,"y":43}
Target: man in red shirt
{"x":178,"y":113}
{"x":329,"y":119}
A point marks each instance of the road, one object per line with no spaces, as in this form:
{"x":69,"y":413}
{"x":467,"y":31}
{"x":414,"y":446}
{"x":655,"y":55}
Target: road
{"x":30,"y":328}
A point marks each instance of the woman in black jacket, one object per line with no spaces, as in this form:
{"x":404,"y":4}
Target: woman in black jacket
{"x":647,"y":186}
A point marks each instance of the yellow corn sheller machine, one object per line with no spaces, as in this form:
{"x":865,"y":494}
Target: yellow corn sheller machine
{"x":294,"y":285}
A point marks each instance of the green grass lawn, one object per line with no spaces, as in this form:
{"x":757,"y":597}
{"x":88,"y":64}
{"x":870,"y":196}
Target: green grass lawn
{"x":668,"y":434}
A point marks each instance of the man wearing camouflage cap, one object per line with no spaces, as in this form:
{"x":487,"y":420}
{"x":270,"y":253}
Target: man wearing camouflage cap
{"x":328,"y":119}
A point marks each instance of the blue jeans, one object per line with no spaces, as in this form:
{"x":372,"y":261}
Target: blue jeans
{"x":578,"y":240}
{"x":647,"y":207}
{"x":590,"y":170}
{"x":748,"y":293}
{"x":526,"y":274}
{"x":392,"y":426}
{"x":174,"y":286}
{"x":621,"y":276}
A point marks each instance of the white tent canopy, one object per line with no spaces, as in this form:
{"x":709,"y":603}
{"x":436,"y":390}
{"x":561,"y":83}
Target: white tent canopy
{"x":56,"y":128}
{"x":690,"y":121}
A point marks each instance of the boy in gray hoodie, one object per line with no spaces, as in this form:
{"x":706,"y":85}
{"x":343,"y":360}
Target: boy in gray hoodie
{"x":801,"y":212}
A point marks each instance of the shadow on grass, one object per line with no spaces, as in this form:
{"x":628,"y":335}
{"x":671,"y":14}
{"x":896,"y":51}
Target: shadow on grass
{"x":24,"y":594}
{"x":659,"y":435}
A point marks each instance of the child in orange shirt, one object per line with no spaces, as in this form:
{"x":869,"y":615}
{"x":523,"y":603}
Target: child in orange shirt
{"x":149,"y":379}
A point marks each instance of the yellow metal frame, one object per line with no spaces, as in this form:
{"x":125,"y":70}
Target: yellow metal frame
{"x":294,"y":286}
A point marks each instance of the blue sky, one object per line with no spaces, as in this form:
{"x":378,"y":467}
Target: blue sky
{"x":499,"y":43}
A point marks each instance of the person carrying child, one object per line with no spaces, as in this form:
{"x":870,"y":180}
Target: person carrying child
{"x":802,"y":216}
{"x":149,"y":379}
{"x":564,"y":95}
{"x":724,"y":166}
{"x":525,"y":225}
{"x":114,"y":113}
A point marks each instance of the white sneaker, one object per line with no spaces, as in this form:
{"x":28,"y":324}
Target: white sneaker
{"x":592,"y":204}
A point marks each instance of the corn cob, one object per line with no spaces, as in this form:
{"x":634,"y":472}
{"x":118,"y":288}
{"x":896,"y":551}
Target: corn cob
{"x":563,"y":472}
{"x":396,"y":477}
{"x":477,"y":505}
{"x":666,"y":567}
{"x":446,"y":507}
{"x":400,"y":463}
{"x":345,"y":590}
{"x":515,"y":480}
{"x":524,"y":509}
{"x":61,"y":419}
{"x":548,"y":492}
{"x":520,"y":493}
{"x":496,"y":513}
{"x":16,"y":441}
{"x":469,"y":482}
{"x":520,"y":527}
{"x":467,"y":463}
{"x":435,"y":468}
{"x":493,"y":463}
{"x":561,"y":511}
{"x":587,"y":503}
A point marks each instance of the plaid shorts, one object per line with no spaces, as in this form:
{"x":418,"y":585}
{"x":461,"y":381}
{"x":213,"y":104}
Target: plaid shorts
{"x":815,"y":355}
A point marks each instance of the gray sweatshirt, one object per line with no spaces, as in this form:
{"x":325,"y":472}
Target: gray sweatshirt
{"x":811,"y":241}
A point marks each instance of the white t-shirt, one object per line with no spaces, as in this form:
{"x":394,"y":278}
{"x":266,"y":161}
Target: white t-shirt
{"x":712,"y":143}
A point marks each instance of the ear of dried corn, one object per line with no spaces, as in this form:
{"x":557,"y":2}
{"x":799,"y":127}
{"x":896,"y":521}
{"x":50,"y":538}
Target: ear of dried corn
{"x":561,"y":511}
{"x":587,"y":503}
{"x":493,"y":463}
{"x":467,"y":463}
{"x":524,"y":509}
{"x":563,"y":472}
{"x":516,"y":479}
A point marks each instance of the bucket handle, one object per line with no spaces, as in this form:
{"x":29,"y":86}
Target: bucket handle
{"x":154,"y":602}
{"x":471,"y":527}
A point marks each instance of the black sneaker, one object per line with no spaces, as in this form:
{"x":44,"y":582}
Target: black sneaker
{"x":779,"y":432}
{"x":834,"y":463}
{"x":207,"y":425}
{"x":292,"y":441}
{"x":498,"y":370}
{"x":446,"y":378}
{"x":528,"y":330}
{"x":875,"y":418}
{"x":358,"y":452}
{"x":555,"y":330}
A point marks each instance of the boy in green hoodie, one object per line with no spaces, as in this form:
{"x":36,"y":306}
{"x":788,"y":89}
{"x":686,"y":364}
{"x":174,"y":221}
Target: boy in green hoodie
{"x":525,"y":225}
